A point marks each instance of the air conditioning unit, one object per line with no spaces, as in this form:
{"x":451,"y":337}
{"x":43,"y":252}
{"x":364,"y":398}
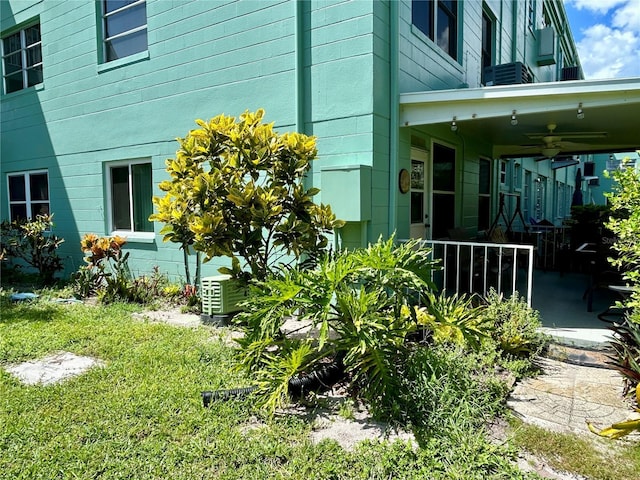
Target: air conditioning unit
{"x":570,"y":73}
{"x":594,"y":182}
{"x":507,"y":74}
{"x":546,"y":46}
{"x":221,"y":295}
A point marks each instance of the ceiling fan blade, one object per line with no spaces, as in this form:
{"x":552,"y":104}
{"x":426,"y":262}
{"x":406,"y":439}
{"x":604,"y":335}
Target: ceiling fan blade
{"x":577,"y":135}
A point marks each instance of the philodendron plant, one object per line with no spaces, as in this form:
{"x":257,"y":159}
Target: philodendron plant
{"x":352,"y":301}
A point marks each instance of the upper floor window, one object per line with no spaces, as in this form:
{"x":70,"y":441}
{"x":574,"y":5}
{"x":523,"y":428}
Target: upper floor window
{"x":531,"y":14}
{"x":130,"y":202}
{"x":28,"y":194}
{"x":124,"y":28}
{"x":438,"y":20}
{"x":22,"y":59}
{"x":487,"y":42}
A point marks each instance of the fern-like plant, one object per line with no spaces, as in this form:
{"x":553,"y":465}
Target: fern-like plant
{"x":352,"y":301}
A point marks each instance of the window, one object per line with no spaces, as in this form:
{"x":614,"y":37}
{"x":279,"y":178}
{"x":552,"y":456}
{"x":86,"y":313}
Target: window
{"x":526,"y":196}
{"x":22,"y":59}
{"x":503,"y":172}
{"x":484,"y":195}
{"x":487,"y":42}
{"x":531,"y":14}
{"x":517,"y":176}
{"x":438,"y":20}
{"x":444,"y":186}
{"x":540,"y":196}
{"x":124,"y":24}
{"x":28,"y":194}
{"x":130,"y":197}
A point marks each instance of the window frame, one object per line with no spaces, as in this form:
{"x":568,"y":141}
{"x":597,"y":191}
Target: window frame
{"x":28,"y":201}
{"x":131,"y":234}
{"x":433,"y":9}
{"x":25,"y":68}
{"x":104,"y":15}
{"x":531,"y":15}
{"x":487,"y":47}
{"x":484,"y":194}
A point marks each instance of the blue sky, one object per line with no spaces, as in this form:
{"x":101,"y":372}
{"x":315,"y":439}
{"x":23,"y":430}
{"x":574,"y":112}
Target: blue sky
{"x":607,"y":35}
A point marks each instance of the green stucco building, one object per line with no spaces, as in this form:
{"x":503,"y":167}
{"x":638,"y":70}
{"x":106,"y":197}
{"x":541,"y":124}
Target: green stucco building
{"x":419,"y":108}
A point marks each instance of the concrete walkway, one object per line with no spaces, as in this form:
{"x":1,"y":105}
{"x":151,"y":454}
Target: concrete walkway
{"x":568,"y":394}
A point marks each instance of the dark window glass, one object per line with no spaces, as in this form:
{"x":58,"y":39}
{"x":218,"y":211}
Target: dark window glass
{"x":39,"y":186}
{"x":111,"y":5}
{"x":142,"y":194}
{"x":18,"y":48}
{"x":487,"y":42}
{"x":125,"y":30}
{"x":422,"y":16}
{"x":17,"y":189}
{"x":19,"y":211}
{"x":132,"y":185}
{"x":417,"y":207}
{"x":125,"y":20}
{"x":128,"y":45}
{"x":11,"y":43}
{"x":444,"y":168}
{"x":120,"y":198}
{"x":484,"y":183}
{"x":447,"y":28}
{"x":443,"y":214}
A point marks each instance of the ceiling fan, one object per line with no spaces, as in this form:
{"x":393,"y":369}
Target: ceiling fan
{"x":553,"y":143}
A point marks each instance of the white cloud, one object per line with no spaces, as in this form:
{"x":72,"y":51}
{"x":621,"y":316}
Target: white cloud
{"x":609,"y":53}
{"x":627,"y":17}
{"x":599,"y":6}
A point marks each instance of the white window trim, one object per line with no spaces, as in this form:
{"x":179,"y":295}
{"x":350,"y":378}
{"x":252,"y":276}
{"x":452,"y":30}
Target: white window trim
{"x":23,"y":55}
{"x":26,"y":174}
{"x":131,"y":235}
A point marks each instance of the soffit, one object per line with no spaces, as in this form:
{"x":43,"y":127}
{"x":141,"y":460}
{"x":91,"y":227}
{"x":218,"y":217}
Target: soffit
{"x":610,"y":106}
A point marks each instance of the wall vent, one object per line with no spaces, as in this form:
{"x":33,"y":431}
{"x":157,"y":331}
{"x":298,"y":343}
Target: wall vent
{"x":570,"y":73}
{"x":507,"y":74}
{"x":221,"y":295}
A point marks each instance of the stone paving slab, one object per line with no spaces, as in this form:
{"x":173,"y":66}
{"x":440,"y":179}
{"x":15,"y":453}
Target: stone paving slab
{"x":52,"y":368}
{"x":565,"y":396}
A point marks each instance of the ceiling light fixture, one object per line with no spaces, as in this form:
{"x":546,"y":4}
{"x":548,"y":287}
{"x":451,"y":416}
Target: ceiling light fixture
{"x":514,"y":119}
{"x":454,"y":125}
{"x":580,"y":113}
{"x":550,"y":152}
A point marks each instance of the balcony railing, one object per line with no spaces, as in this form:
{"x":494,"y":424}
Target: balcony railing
{"x":476,"y":267}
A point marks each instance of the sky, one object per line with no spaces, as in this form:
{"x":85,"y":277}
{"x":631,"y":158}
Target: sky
{"x":607,"y":35}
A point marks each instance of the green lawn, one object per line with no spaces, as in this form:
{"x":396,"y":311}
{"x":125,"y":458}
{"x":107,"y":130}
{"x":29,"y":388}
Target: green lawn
{"x":141,"y":416}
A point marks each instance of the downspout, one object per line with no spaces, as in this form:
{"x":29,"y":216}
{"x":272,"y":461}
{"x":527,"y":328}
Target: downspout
{"x":499,"y":60}
{"x":394,"y":115}
{"x":514,"y":30}
{"x":299,"y":66}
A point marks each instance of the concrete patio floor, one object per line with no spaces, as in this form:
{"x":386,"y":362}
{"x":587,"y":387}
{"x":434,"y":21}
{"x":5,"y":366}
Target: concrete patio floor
{"x":564,"y":313}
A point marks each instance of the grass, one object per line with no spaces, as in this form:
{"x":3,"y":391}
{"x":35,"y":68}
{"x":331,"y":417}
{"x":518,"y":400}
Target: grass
{"x":141,"y":416}
{"x":593,"y":457}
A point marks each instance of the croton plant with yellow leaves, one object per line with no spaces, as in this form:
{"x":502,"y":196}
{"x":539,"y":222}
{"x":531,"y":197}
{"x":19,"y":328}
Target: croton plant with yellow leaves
{"x":237,"y":190}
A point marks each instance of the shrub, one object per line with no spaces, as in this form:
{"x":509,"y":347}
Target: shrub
{"x":236,"y":190}
{"x":514,"y":325}
{"x":625,"y":224}
{"x":354,"y":300}
{"x":32,"y":242}
{"x":107,"y":274}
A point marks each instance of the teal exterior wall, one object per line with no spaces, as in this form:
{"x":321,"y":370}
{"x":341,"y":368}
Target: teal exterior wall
{"x":332,"y":69}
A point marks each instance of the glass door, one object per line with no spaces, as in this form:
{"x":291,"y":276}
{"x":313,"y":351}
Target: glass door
{"x":420,"y":200}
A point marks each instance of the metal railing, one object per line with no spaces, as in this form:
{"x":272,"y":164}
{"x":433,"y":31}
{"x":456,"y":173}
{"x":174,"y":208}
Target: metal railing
{"x":476,"y":267}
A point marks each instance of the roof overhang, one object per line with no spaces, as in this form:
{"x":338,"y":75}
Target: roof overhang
{"x":610,"y":122}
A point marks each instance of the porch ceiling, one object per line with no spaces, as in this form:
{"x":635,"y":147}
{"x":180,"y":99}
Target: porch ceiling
{"x":610,"y":124}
